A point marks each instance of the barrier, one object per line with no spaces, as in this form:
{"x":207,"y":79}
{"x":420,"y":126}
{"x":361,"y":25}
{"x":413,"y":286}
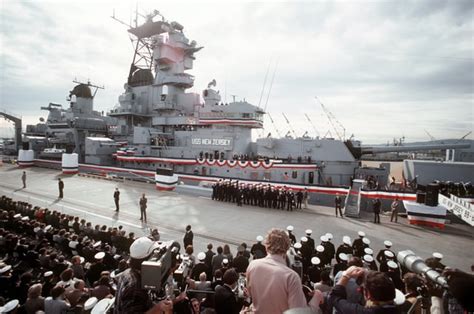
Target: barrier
{"x":70,"y":163}
{"x":421,"y":214}
{"x":25,"y":158}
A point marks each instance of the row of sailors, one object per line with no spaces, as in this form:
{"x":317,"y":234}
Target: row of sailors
{"x":259,"y":195}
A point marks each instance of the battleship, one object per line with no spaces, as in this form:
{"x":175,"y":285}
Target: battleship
{"x":160,"y":132}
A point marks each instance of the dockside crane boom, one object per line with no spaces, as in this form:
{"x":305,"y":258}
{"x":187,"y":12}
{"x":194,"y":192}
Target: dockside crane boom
{"x":312,"y":124}
{"x":273,"y":123}
{"x":333,"y":121}
{"x":289,"y":124}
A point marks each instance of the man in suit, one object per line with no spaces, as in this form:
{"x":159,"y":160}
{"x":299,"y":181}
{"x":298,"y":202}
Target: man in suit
{"x":338,"y":205}
{"x":116,"y":199}
{"x":23,"y":179}
{"x":224,"y":298}
{"x":143,"y":206}
{"x":188,"y":237}
{"x":61,"y":187}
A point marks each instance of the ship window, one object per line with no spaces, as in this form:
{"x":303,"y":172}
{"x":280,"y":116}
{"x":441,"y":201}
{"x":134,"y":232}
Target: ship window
{"x":294,"y":174}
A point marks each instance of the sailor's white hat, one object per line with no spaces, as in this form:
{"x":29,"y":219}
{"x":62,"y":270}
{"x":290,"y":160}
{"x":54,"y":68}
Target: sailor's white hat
{"x":103,"y":306}
{"x":438,"y":255}
{"x":387,"y":243}
{"x":10,"y":306}
{"x":368,"y":258}
{"x":346,"y":240}
{"x":26,"y":218}
{"x":320,"y":248}
{"x":392,"y":264}
{"x":201,"y":256}
{"x":259,"y":238}
{"x":47,"y":274}
{"x":225,"y":261}
{"x":329,"y":236}
{"x":99,"y":255}
{"x":343,"y":256}
{"x":48,"y":227}
{"x":289,"y":228}
{"x":361,"y":233}
{"x":309,"y":231}
{"x":304,"y":239}
{"x":399,"y":297}
{"x":17,"y":216}
{"x":90,"y":303}
{"x":315,"y":261}
{"x":297,"y":245}
{"x":6,"y":268}
{"x":366,"y":241}
{"x":324,"y":238}
{"x":97,"y":244}
{"x":389,"y":254}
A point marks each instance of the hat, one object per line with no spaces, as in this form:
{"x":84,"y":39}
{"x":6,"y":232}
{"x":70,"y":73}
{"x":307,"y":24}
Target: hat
{"x":366,"y":241}
{"x":102,"y":306}
{"x":48,"y":227}
{"x":97,"y":244}
{"x":368,"y":251}
{"x":142,"y":247}
{"x":329,"y":236}
{"x":389,"y":254}
{"x":392,"y":264}
{"x":10,"y":306}
{"x":324,"y":238}
{"x":315,"y":261}
{"x":225,"y":261}
{"x":297,"y":245}
{"x":99,"y":255}
{"x":438,"y":255}
{"x":368,"y":258}
{"x":399,"y":297}
{"x":343,"y":256}
{"x":304,"y":239}
{"x":346,"y":240}
{"x":201,"y":256}
{"x":387,"y":243}
{"x":90,"y":303}
{"x":309,"y":231}
{"x":81,"y":259}
{"x":26,"y":218}
{"x":5,"y":269}
{"x":289,"y":228}
{"x":47,"y":274}
{"x":320,"y":248}
{"x":361,"y":234}
{"x":259,"y":238}
{"x":17,"y":216}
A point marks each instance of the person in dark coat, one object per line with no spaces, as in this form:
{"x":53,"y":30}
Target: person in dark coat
{"x":240,"y":262}
{"x":143,"y":206}
{"x":338,"y":205}
{"x":61,"y":188}
{"x":200,"y":267}
{"x":188,"y":237}
{"x":224,"y":298}
{"x":116,"y":199}
{"x":376,"y":205}
{"x":358,"y":245}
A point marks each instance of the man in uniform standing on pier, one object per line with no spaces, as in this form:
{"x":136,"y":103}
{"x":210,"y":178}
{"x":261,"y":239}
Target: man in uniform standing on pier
{"x":23,"y":179}
{"x":61,"y":187}
{"x":338,"y":204}
{"x":394,"y":208}
{"x":143,"y":201}
{"x":116,"y":199}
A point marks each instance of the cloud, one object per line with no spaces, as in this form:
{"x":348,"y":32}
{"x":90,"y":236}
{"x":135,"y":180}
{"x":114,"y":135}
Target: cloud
{"x":383,"y":68}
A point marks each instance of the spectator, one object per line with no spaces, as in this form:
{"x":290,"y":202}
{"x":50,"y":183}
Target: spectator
{"x":77,"y":293}
{"x":217,"y":259}
{"x":227,"y":253}
{"x":225,"y":302}
{"x":56,"y":304}
{"x":35,"y":301}
{"x":102,"y":290}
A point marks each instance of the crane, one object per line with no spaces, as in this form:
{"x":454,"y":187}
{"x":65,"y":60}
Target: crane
{"x":273,"y":123}
{"x":312,"y":124}
{"x":291,"y":128}
{"x":431,"y":136}
{"x":333,"y":121}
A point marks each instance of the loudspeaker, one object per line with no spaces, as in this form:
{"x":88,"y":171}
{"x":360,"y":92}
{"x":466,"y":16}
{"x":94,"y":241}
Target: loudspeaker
{"x":420,"y":197}
{"x":432,"y":191}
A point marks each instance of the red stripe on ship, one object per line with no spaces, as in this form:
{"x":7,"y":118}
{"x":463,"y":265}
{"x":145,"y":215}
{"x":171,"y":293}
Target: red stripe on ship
{"x":426,"y":223}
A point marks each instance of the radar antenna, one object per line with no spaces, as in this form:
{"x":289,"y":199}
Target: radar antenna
{"x":90,"y":85}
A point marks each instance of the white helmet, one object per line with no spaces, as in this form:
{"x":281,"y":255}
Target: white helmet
{"x":142,"y":247}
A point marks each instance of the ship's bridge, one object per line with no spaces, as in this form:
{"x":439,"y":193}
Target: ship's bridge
{"x":239,"y":113}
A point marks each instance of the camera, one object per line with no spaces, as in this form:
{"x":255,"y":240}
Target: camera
{"x":415,"y":264}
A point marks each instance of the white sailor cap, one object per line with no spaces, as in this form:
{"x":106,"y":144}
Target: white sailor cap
{"x":5,"y":269}
{"x":10,"y":306}
{"x":346,"y":240}
{"x":387,"y":243}
{"x":259,"y":238}
{"x":438,"y":255}
{"x":90,"y":303}
{"x":225,"y":261}
{"x":324,"y":238}
{"x":304,"y":239}
{"x":315,"y":261}
{"x":102,"y":306}
{"x":201,"y":256}
{"x":329,"y":236}
{"x":26,"y":218}
{"x":361,"y":234}
{"x":388,"y":254}
{"x":368,"y":251}
{"x":399,"y":297}
{"x":97,"y":244}
{"x":81,"y":259}
{"x":309,"y":231}
{"x":320,"y":248}
{"x":343,"y":256}
{"x":289,"y":228}
{"x":366,"y":241}
{"x":368,"y":258}
{"x":297,"y":245}
{"x":392,"y":265}
{"x":48,"y":227}
{"x":99,"y":256}
{"x":47,"y":274}
{"x":17,"y":216}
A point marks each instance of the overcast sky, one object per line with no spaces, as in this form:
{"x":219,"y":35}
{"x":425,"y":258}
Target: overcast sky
{"x":384,"y":69}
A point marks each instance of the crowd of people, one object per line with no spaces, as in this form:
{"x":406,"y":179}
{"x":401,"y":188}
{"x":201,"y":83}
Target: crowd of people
{"x":262,"y":195}
{"x":56,"y":263}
